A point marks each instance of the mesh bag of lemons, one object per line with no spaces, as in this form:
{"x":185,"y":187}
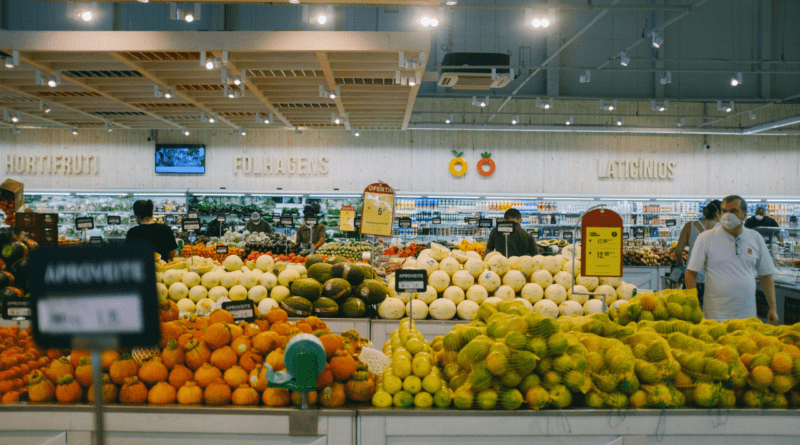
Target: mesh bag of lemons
{"x":667,"y":304}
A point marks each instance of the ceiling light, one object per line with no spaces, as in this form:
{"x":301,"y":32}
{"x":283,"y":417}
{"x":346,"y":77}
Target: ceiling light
{"x":268,"y":119}
{"x":451,"y":2}
{"x":237,"y":80}
{"x":210,"y":64}
{"x":752,"y":114}
{"x":87,"y":16}
{"x":657,"y":40}
{"x":620,"y":121}
{"x":536,"y":23}
{"x":681,"y":122}
{"x":16,"y":118}
{"x":660,"y":107}
{"x":294,"y":2}
{"x":425,"y":20}
{"x":736,"y":81}
{"x":608,"y":107}
{"x":515,"y":120}
{"x":185,"y":132}
{"x":12,"y":60}
{"x":624,"y":60}
{"x":9,"y":62}
{"x":481,"y":103}
{"x":545,"y":23}
{"x":52,"y":82}
{"x":74,"y":130}
{"x":109,"y":126}
{"x":47,"y":107}
{"x":412,"y":81}
{"x":666,"y":78}
{"x":211,"y":120}
{"x":231,"y":94}
{"x":545,"y":105}
{"x":586,"y":77}
{"x":434,"y":22}
{"x":449,"y":119}
{"x":356,"y":133}
{"x":726,"y":108}
{"x":570,"y":120}
{"x":168,"y":94}
{"x":322,"y":19}
{"x":242,"y":132}
{"x":189,"y":17}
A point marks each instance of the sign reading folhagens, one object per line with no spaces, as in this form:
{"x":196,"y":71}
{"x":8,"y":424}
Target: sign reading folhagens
{"x":280,"y":165}
{"x":636,"y":168}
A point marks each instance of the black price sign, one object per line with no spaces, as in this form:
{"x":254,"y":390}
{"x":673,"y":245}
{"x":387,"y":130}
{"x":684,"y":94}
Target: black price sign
{"x":193,"y":215}
{"x":190,"y":224}
{"x":546,"y":232}
{"x":113,"y":219}
{"x":170,"y":220}
{"x":243,"y":310}
{"x":436,"y":220}
{"x":534,"y":232}
{"x":287,"y":221}
{"x":404,"y":222}
{"x":72,"y":296}
{"x":638,"y":233}
{"x":95,"y":240}
{"x":222,"y":250}
{"x":568,"y":235}
{"x":276,"y":219}
{"x":556,"y":233}
{"x":472,"y":221}
{"x":671,"y":223}
{"x":505,"y":227}
{"x":357,"y":222}
{"x":625,"y":234}
{"x":221,"y":218}
{"x":311,"y":220}
{"x":485,"y":223}
{"x":410,"y":280}
{"x":15,"y":308}
{"x":84,"y":222}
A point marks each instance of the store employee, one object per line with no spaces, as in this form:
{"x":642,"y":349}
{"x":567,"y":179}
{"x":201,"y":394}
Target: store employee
{"x":258,"y":225}
{"x":732,"y":256}
{"x":520,"y":242}
{"x":308,"y":234}
{"x":158,"y":235}
{"x":760,"y":219}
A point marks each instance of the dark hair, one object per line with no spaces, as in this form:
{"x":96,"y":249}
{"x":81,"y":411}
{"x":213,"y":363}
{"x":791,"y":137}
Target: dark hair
{"x":742,"y":202}
{"x":711,"y":209}
{"x":512,"y":213}
{"x":143,"y":209}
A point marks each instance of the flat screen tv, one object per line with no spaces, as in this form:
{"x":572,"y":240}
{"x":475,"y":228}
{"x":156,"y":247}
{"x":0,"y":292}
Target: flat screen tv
{"x":183,"y":159}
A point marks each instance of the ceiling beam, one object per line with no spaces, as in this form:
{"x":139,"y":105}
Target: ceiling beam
{"x":326,"y":68}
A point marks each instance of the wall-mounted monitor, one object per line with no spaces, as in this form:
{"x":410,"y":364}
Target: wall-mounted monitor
{"x":181,"y":158}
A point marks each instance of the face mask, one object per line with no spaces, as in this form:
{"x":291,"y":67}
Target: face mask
{"x":730,"y":221}
{"x":759,"y":217}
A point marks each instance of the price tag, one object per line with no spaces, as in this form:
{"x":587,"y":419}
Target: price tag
{"x":357,"y":223}
{"x":378,"y":210}
{"x":472,"y":221}
{"x":505,"y":227}
{"x":311,"y":220}
{"x":625,"y":235}
{"x":534,"y":232}
{"x":276,"y":219}
{"x":95,"y":293}
{"x":436,"y":220}
{"x":568,"y":235}
{"x":556,"y":233}
{"x":190,"y":224}
{"x":95,"y":240}
{"x":114,"y":220}
{"x":485,"y":223}
{"x":15,"y":308}
{"x":170,"y":220}
{"x":221,"y":218}
{"x":601,"y":248}
{"x":84,"y":222}
{"x":404,"y":222}
{"x":193,"y":215}
{"x":241,"y":310}
{"x":222,"y":250}
{"x":287,"y":221}
{"x":410,"y":280}
{"x":546,"y":232}
{"x":347,"y":215}
{"x":638,"y":233}
{"x":671,"y":223}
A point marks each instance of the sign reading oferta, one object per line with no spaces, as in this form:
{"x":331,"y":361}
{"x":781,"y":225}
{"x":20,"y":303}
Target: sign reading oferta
{"x":52,"y":165}
{"x":636,"y":168}
{"x":280,"y":166}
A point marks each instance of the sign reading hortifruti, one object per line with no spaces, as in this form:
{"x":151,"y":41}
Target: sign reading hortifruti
{"x":52,"y":165}
{"x":280,"y":165}
{"x":636,"y":168}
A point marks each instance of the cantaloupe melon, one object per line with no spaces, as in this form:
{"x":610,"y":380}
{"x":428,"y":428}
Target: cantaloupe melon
{"x":210,"y":279}
{"x":257,"y":293}
{"x":450,"y":266}
{"x":490,"y":280}
{"x":232,"y":263}
{"x":268,"y":280}
{"x":542,"y":277}
{"x":203,"y":307}
{"x":237,"y":293}
{"x":186,"y":305}
{"x":229,"y":279}
{"x":177,"y":291}
{"x":477,"y":293}
{"x":197,"y":293}
{"x":463,"y":279}
{"x":505,"y":293}
{"x":215,"y":293}
{"x":474,"y":266}
{"x":532,"y":292}
{"x":264,"y":262}
{"x":515,"y":279}
{"x":439,"y":280}
{"x":555,"y":293}
{"x":455,"y":294}
{"x":190,"y":279}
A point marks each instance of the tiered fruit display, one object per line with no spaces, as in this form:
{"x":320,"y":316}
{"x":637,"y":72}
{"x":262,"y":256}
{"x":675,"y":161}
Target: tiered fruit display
{"x":411,"y":250}
{"x":466,"y":246}
{"x":667,"y":304}
{"x":458,"y":282}
{"x":352,"y":250}
{"x":291,"y":258}
{"x":209,"y":251}
{"x":413,"y":379}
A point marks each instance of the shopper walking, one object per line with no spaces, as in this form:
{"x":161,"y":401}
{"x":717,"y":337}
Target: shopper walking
{"x":157,"y":235}
{"x":520,"y":242}
{"x":732,"y":256}
{"x":693,"y":229}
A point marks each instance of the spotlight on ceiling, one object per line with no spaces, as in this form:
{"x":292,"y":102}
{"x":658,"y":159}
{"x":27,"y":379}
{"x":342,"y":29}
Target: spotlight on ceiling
{"x":659,"y":107}
{"x":45,"y":107}
{"x":620,"y":121}
{"x":451,"y":2}
{"x":681,"y":122}
{"x":449,"y":119}
{"x":242,"y":131}
{"x":427,"y":20}
{"x":725,"y":107}
{"x":356,"y":133}
{"x":586,"y":77}
{"x":54,"y":81}
{"x":74,"y":130}
{"x":514,"y":120}
{"x":736,"y":81}
{"x":657,"y":40}
{"x":666,"y":78}
{"x":608,"y":107}
{"x":109,"y":126}
{"x":17,"y":117}
{"x":624,"y":60}
{"x":482,"y":103}
{"x":752,"y":114}
{"x":544,"y":105}
{"x":570,"y":120}
{"x":185,"y":132}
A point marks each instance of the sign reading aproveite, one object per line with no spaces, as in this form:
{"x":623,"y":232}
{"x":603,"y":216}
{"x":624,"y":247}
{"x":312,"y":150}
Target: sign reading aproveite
{"x":102,"y":291}
{"x":505,"y":227}
{"x":190,"y":224}
{"x":114,"y":220}
{"x":377,"y":212}
{"x":347,"y":216}
{"x":84,"y":223}
{"x":601,"y":246}
{"x":243,"y":310}
{"x":410,"y":280}
{"x":15,"y":308}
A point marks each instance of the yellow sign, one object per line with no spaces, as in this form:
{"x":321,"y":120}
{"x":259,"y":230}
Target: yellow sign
{"x":377,"y":214}
{"x":347,"y":217}
{"x":603,"y":252}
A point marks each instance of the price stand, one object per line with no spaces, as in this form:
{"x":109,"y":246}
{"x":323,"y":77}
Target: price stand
{"x":411,"y":281}
{"x":114,"y":220}
{"x":241,"y":310}
{"x":347,"y":216}
{"x":377,"y":213}
{"x":311,"y":222}
{"x":221,"y":220}
{"x":506,"y":228}
{"x":601,"y":246}
{"x":190,"y":226}
{"x":84,"y":223}
{"x":405,"y":224}
{"x":95,"y":240}
{"x":222,"y":250}
{"x":74,"y":306}
{"x":287,"y":222}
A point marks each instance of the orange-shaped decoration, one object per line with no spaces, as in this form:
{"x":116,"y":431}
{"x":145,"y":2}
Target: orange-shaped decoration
{"x":486,"y":161}
{"x":458,"y":160}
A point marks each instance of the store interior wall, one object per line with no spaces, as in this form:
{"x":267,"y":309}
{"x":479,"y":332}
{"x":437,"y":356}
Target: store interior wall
{"x":527,"y":162}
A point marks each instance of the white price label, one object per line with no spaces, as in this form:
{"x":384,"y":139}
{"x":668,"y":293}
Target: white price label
{"x":244,"y":313}
{"x":19,"y":312}
{"x":91,"y":315}
{"x":412,"y":284}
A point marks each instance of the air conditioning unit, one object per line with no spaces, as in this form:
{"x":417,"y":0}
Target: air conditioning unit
{"x":472,"y":77}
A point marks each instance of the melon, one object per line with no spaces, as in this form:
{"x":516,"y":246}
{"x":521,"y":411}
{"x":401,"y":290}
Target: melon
{"x":391,"y":309}
{"x":547,"y":308}
{"x":301,"y":269}
{"x":538,"y":261}
{"x":474,"y":266}
{"x":203,"y":307}
{"x":159,"y":277}
{"x":410,"y":263}
{"x":210,"y":279}
{"x":563,"y":278}
{"x":233,"y":262}
{"x":505,"y":293}
{"x":417,"y":309}
{"x":514,"y":279}
{"x":186,"y":305}
{"x":439,"y":280}
{"x":498,"y":264}
{"x":592,"y":307}
{"x":288,"y":276}
{"x":336,"y":289}
{"x":237,"y":293}
{"x":454,"y":294}
{"x":163,"y":291}
{"x":264,"y":262}
{"x":525,"y":264}
{"x":570,"y":308}
{"x":551,"y":264}
{"x":308,"y":288}
{"x":460,"y":256}
{"x":197,"y":293}
{"x":429,"y":265}
{"x":257,"y":293}
{"x":372,"y":291}
{"x":555,"y":293}
{"x":190,"y":279}
{"x":463,"y":279}
{"x":589,"y":283}
{"x":442,"y":309}
{"x":268,"y":279}
{"x":494,"y":301}
{"x":477,"y":293}
{"x":439,"y":252}
{"x":249,"y":279}
{"x":626,"y":291}
{"x":229,"y":279}
{"x":528,"y":305}
{"x":172,"y":276}
{"x":608,"y":291}
{"x":266,"y":304}
{"x":216,"y":292}
{"x":427,"y":297}
{"x":467,"y":309}
{"x":490,"y":280}
{"x":177,"y":291}
{"x":320,"y":272}
{"x":542,"y":277}
{"x":611,"y":281}
{"x":532,"y":292}
{"x":279,"y":293}
{"x":569,"y":264}
{"x":449,"y":266}
{"x":578,"y":294}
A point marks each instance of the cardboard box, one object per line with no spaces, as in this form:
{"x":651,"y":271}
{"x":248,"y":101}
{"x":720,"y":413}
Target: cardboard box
{"x":16,"y":189}
{"x":48,"y":236}
{"x":26,"y":221}
{"x":47,"y":220}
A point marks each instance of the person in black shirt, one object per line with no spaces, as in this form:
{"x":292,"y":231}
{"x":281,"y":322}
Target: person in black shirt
{"x":258,"y":225}
{"x":157,"y":235}
{"x":520,"y":242}
{"x":760,"y":219}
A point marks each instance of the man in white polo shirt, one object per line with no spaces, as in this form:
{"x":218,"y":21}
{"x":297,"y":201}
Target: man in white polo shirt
{"x":732,"y":256}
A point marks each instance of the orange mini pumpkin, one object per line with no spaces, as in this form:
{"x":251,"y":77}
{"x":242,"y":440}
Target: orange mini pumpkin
{"x":109,"y":389}
{"x":262,"y":321}
{"x":59,"y":368}
{"x":170,"y":331}
{"x":332,"y":395}
{"x":190,"y":394}
{"x":266,"y":342}
{"x":125,"y":367}
{"x":325,"y":378}
{"x":172,"y":355}
{"x":83,"y":372}
{"x":217,"y":393}
{"x":258,"y":378}
{"x":297,"y":398}
{"x":162,"y":393}
{"x":40,"y":388}
{"x":236,"y":331}
{"x":217,"y":335}
{"x":168,"y":311}
{"x":314,"y":322}
{"x":331,"y":343}
{"x":68,"y":390}
{"x":343,"y":365}
{"x":235,"y":376}
{"x":360,"y":388}
{"x":223,"y":358}
{"x":275,"y":359}
{"x":220,"y":316}
{"x":152,"y":372}
{"x":133,"y":391}
{"x":244,"y":395}
{"x":10,"y":397}
{"x":107,"y":358}
{"x":197,"y":353}
{"x":179,"y":376}
{"x":206,"y":374}
{"x":251,"y":329}
{"x":276,"y":397}
{"x":241,"y":345}
{"x":249,"y":360}
{"x":277,"y":315}
{"x":76,"y":355}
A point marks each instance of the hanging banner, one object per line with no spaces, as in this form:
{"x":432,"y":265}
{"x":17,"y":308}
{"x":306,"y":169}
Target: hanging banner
{"x":601,"y":249}
{"x":378,"y":210}
{"x":347,"y":216}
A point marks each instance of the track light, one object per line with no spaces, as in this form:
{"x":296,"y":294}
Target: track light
{"x":237,"y":80}
{"x":267,"y":118}
{"x":515,"y":120}
{"x":185,"y":131}
{"x":620,"y":121}
{"x":356,"y":133}
{"x":44,"y":106}
{"x":536,"y":21}
{"x":608,"y":107}
{"x":752,"y":114}
{"x":210,"y":64}
{"x":449,"y":119}
{"x":570,"y":120}
{"x":242,"y":131}
{"x":736,"y":81}
{"x":681,"y":122}
{"x":12,"y":61}
{"x":657,"y":40}
{"x":666,"y":78}
{"x":412,"y":81}
{"x":427,"y":20}
{"x":109,"y":126}
{"x":726,"y":108}
{"x":546,"y":105}
{"x":17,"y":117}
{"x":481,"y":103}
{"x":15,"y":129}
{"x":659,"y":107}
{"x":451,"y":2}
{"x":336,"y":119}
{"x":624,"y":60}
{"x":586,"y":77}
{"x":168,"y":94}
{"x":74,"y":130}
{"x":294,"y":2}
{"x":9,"y":62}
{"x":52,"y":82}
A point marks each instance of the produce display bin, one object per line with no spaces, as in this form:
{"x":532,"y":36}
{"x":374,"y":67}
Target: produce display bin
{"x":382,"y":329}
